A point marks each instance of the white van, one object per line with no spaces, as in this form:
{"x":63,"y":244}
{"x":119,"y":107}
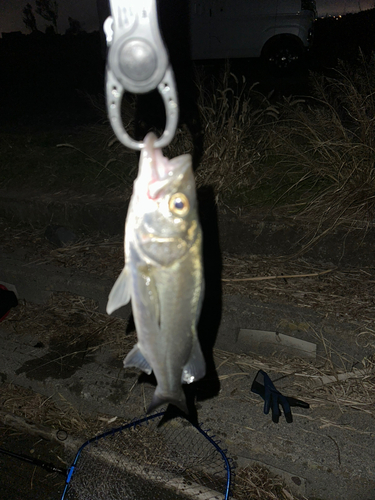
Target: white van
{"x":280,"y":31}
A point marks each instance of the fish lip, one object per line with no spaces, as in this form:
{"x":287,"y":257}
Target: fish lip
{"x":157,"y":170}
{"x":160,"y":166}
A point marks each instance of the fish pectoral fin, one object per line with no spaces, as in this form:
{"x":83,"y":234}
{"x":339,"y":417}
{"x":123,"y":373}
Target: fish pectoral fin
{"x":136,"y":359}
{"x":195,"y":368}
{"x":120,"y":293}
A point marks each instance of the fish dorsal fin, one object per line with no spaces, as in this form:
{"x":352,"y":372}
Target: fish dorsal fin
{"x":195,"y":368}
{"x":120,"y":293}
{"x":136,"y":359}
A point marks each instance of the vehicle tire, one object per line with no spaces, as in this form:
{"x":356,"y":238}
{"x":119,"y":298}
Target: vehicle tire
{"x":283,"y":55}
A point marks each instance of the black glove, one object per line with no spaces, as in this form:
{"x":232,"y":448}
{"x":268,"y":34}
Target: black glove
{"x":273,"y":398}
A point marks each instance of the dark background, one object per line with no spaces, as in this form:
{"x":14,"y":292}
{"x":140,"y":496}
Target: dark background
{"x":52,"y":75}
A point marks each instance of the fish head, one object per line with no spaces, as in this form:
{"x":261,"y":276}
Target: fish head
{"x":164,"y":205}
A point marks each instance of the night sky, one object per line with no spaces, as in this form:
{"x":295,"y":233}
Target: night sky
{"x":85,"y":12}
{"x":339,"y":7}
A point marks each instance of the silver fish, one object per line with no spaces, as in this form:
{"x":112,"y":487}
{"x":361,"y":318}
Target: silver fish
{"x":163,"y":274}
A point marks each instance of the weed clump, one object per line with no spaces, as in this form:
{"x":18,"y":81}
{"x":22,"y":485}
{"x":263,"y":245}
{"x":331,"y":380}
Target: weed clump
{"x":326,"y":149}
{"x":258,"y":483}
{"x":234,"y":118}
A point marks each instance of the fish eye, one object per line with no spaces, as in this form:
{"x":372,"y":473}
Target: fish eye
{"x":179,"y":204}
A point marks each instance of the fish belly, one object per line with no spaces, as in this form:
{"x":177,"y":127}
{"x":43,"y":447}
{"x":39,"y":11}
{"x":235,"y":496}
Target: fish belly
{"x":166,"y":305}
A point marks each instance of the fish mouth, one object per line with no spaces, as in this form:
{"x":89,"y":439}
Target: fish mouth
{"x":156,"y":168}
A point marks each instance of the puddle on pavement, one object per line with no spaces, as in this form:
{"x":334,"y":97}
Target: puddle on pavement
{"x":61,"y":361}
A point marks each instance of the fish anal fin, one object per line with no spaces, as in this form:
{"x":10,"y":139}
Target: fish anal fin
{"x":120,"y":293}
{"x":159,"y":399}
{"x":136,"y":359}
{"x":195,"y":368}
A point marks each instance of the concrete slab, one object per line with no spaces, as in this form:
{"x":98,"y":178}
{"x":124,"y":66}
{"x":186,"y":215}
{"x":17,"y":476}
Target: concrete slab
{"x":267,"y":343}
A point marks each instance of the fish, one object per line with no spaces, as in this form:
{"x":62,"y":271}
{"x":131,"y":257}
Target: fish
{"x":163,"y":274}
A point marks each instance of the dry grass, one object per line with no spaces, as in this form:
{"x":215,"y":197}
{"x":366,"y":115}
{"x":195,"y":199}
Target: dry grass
{"x":235,"y":118}
{"x":38,"y":409}
{"x":258,"y":483}
{"x":343,"y":293}
{"x":93,"y":255}
{"x":315,"y":156}
{"x":326,"y":147}
{"x":235,"y":121}
{"x":321,"y":384}
{"x":330,"y":389}
{"x":346,"y":293}
{"x":324,"y":382}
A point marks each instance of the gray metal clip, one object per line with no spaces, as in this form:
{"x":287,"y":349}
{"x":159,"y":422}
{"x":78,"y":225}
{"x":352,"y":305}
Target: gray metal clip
{"x":138,"y":62}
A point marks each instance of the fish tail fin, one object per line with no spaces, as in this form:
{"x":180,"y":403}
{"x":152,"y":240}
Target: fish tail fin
{"x":178,"y":400}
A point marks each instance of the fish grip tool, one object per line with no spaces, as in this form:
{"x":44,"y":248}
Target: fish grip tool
{"x":150,"y":459}
{"x":137,"y":62}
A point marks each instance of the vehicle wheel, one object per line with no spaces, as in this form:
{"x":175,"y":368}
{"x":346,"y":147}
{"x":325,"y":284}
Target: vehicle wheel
{"x":283,"y":56}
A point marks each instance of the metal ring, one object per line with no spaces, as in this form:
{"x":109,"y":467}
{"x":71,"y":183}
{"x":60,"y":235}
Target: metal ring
{"x":167,"y":90}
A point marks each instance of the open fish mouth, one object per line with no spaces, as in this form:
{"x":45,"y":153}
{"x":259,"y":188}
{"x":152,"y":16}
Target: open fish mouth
{"x":158,"y":170}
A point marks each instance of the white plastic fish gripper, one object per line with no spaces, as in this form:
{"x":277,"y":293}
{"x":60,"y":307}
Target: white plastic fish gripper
{"x":138,"y":62}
